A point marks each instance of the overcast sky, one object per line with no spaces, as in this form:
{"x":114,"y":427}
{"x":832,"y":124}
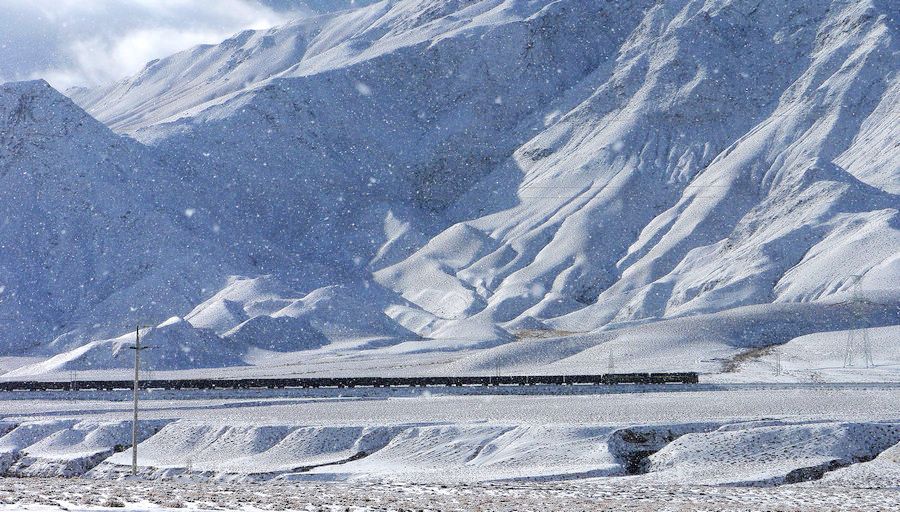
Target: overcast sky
{"x":91,"y":42}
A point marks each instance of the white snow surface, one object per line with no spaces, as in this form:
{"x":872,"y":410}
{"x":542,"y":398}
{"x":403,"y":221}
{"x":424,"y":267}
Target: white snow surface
{"x":883,"y":472}
{"x":64,"y":447}
{"x":471,"y":185}
{"x":768,"y":453}
{"x":174,"y":344}
{"x":766,"y":436}
{"x":58,"y":494}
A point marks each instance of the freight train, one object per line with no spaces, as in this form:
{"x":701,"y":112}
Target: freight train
{"x":353,"y":382}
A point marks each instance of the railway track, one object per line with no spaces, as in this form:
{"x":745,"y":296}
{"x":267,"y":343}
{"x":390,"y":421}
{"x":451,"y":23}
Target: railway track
{"x":353,"y":382}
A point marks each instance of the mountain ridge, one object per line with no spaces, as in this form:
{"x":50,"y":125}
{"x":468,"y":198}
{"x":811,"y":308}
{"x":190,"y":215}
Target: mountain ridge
{"x":480,"y":168}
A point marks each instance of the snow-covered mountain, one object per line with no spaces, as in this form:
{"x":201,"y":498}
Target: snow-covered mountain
{"x":474,"y":170}
{"x":93,"y":234}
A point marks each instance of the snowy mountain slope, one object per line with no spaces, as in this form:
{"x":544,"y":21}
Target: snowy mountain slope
{"x":93,"y":233}
{"x":170,"y":85}
{"x":467,"y":170}
{"x":175,"y":345}
{"x":709,"y":343}
{"x":727,"y":192}
{"x":250,"y":321}
{"x":99,"y":236}
{"x":263,"y":312}
{"x":362,"y":185}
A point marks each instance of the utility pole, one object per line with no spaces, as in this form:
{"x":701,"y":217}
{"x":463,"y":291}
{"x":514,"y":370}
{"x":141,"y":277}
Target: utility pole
{"x":777,"y":362}
{"x":134,"y":424}
{"x":612,"y":363}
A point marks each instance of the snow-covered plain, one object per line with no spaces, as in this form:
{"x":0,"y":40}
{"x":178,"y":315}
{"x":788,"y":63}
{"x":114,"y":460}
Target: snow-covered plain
{"x":672,"y":433}
{"x":827,"y":447}
{"x":814,"y":446}
{"x":46,"y":495}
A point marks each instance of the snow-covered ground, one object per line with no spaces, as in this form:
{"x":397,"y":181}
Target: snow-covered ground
{"x":52,"y":495}
{"x":798,"y":446}
{"x":532,"y":406}
{"x":678,"y":435}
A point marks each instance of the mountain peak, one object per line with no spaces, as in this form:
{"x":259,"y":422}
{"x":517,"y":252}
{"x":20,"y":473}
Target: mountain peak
{"x":34,"y":109}
{"x":26,"y":85}
{"x":31,"y":92}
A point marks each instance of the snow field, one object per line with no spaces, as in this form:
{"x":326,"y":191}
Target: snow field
{"x":54,"y":495}
{"x":762,"y":453}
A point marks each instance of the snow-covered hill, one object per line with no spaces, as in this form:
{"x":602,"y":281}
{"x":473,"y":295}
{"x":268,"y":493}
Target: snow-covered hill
{"x":93,"y":235}
{"x":174,"y":344}
{"x":481,"y":170}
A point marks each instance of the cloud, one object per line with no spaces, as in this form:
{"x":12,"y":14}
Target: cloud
{"x":92,"y":42}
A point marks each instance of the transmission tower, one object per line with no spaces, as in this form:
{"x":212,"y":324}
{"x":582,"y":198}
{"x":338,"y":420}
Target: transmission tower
{"x":858,"y":339}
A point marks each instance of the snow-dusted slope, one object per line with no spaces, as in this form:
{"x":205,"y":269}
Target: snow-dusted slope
{"x":263,"y":312}
{"x":882,"y":472}
{"x":471,"y":169}
{"x":758,"y":452}
{"x":384,"y":116}
{"x":174,"y":345}
{"x":704,"y":170}
{"x":93,"y":236}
